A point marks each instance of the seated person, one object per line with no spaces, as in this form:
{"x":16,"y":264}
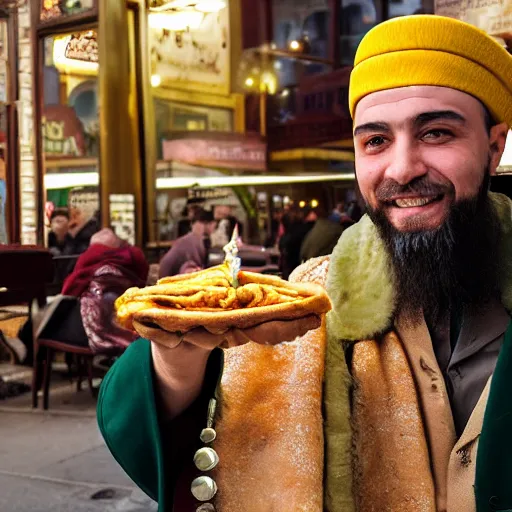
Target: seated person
{"x":82,"y":315}
{"x":190,"y":252}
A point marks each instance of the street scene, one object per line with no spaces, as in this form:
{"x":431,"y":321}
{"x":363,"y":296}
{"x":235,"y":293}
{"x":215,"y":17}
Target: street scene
{"x":255,"y":255}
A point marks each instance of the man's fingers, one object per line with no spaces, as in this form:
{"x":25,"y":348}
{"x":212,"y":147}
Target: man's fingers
{"x":268,"y":333}
{"x":157,"y":335}
{"x":279,"y":331}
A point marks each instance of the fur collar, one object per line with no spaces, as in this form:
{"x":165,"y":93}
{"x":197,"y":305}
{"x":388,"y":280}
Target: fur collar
{"x":360,"y":281}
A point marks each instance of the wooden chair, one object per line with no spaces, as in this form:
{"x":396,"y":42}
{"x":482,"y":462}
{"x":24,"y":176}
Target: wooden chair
{"x":82,"y":355}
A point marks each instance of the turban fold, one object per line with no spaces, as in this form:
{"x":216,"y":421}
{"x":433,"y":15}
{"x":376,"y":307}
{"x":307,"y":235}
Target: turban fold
{"x":438,"y":51}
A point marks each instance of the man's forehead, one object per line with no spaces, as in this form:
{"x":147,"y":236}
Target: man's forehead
{"x":399,"y":105}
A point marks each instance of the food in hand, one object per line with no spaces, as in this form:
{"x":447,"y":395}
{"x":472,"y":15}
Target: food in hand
{"x":208,"y":299}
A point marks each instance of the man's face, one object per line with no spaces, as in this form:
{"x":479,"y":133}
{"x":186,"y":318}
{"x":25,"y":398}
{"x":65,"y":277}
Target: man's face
{"x":60,"y":224}
{"x":419,"y":150}
{"x":222,"y":212}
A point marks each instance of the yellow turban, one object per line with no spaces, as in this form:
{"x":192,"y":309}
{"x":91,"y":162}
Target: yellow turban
{"x":434,"y":50}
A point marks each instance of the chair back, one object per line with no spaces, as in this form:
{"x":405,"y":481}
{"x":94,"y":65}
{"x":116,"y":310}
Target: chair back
{"x":24,"y":272}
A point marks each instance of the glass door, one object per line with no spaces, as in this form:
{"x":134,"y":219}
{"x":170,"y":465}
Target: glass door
{"x":70,"y":131}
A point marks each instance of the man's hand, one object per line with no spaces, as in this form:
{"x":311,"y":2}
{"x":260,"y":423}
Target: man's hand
{"x":180,"y":360}
{"x":267,"y":333}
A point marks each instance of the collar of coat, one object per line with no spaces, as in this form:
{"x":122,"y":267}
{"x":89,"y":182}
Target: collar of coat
{"x":360,"y":281}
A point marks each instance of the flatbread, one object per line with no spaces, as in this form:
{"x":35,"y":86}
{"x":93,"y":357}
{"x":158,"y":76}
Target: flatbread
{"x":207,"y":299}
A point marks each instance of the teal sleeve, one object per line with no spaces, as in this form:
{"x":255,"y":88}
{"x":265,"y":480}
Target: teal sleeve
{"x":128,"y":421}
{"x":153,"y":455}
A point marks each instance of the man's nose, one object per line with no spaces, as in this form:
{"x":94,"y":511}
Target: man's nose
{"x":406,"y":162}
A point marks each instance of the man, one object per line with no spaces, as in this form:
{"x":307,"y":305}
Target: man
{"x":322,"y":237}
{"x":421,"y":291}
{"x":191,"y":209}
{"x":60,"y":242}
{"x":189,"y":253}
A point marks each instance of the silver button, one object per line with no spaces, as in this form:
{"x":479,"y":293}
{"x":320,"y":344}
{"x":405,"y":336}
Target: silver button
{"x":208,"y":435}
{"x":205,"y":507}
{"x":203,"y":488}
{"x":206,"y":459}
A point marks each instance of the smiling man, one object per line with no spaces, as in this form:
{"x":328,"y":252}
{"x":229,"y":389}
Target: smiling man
{"x":415,"y":411}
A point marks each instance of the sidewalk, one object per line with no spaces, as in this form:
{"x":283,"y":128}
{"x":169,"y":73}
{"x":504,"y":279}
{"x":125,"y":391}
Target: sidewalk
{"x":57,"y":461}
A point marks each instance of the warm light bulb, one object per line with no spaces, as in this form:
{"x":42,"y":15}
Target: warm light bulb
{"x":156,"y":80}
{"x":285,"y":93}
{"x":314,"y":203}
{"x":249,"y":82}
{"x":302,"y":204}
{"x":294,"y":46}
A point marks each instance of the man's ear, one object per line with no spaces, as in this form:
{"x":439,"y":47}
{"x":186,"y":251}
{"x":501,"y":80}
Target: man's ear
{"x":497,"y":141}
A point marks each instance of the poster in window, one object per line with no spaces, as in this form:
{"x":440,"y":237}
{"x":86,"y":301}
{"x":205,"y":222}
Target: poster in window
{"x":192,"y":58}
{"x":493,"y":16}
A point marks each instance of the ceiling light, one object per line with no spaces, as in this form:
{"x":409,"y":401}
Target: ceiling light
{"x":210,"y":5}
{"x":249,"y":82}
{"x":173,"y":4}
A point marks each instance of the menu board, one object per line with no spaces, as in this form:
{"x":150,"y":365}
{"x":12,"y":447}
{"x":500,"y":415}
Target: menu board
{"x":122,"y":216}
{"x":53,"y":9}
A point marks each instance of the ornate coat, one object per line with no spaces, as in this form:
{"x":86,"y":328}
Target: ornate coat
{"x":300,"y":429}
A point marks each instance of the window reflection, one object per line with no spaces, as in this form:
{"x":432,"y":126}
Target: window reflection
{"x":70,"y":138}
{"x":302,"y":26}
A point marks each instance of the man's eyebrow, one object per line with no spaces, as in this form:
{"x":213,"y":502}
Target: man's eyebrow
{"x":371,"y":127}
{"x":438,"y":115}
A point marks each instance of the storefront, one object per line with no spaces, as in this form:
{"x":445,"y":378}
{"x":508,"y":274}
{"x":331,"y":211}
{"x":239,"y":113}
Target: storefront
{"x":87,"y":114}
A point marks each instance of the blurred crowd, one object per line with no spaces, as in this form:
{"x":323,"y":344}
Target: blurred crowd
{"x":302,"y":233}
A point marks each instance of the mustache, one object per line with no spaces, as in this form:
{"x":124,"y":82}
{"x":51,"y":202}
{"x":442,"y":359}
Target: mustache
{"x":420,"y":186}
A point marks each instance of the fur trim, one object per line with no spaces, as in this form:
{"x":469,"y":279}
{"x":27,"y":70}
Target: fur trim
{"x":360,"y":282}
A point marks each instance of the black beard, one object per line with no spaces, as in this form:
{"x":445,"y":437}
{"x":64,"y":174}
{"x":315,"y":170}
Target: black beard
{"x":453,"y":266}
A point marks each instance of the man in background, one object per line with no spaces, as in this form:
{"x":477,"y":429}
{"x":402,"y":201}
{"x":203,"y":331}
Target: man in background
{"x":189,"y":212}
{"x":190,"y":252}
{"x":60,"y":242}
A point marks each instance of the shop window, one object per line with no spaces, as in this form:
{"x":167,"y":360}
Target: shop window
{"x":405,"y":7}
{"x":70,"y":128}
{"x":357,"y":17}
{"x":174,"y":118}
